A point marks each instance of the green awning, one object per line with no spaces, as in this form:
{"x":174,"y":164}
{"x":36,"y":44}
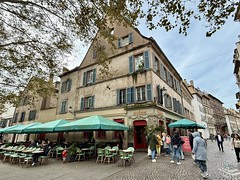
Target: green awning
{"x":20,"y":129}
{"x":92,"y":123}
{"x":46,"y":127}
{"x":183,"y":123}
{"x":8,"y":128}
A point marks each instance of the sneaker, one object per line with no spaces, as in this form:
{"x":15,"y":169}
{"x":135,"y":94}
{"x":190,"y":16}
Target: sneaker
{"x":156,"y":157}
{"x":154,"y":160}
{"x":178,"y":163}
{"x":171,"y":161}
{"x":33,"y":164}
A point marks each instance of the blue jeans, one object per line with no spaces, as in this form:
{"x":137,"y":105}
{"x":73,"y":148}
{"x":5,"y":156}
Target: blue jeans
{"x":153,"y":153}
{"x":167,"y":150}
{"x":175,"y":153}
{"x":202,"y":165}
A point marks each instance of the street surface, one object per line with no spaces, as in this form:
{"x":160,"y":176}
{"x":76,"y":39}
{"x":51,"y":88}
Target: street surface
{"x":221,"y":166}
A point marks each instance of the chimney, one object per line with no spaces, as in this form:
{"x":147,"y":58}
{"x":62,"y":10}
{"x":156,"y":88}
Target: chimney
{"x":192,"y":83}
{"x":65,"y":70}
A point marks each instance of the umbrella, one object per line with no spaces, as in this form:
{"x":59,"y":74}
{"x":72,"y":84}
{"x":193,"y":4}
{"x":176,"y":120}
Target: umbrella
{"x":92,"y":123}
{"x":46,"y":127}
{"x":8,"y":128}
{"x":20,"y":129}
{"x":183,"y":123}
{"x":200,"y":126}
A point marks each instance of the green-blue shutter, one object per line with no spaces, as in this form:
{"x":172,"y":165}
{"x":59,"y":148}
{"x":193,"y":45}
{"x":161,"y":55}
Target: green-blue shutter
{"x":131,"y":64}
{"x":149,"y":92}
{"x":132,"y":95}
{"x":92,"y":104}
{"x":119,"y":43}
{"x":129,"y":95}
{"x":82,"y":104}
{"x":94,"y":75}
{"x":146,"y":59}
{"x":84,"y":78}
{"x":69,"y":84}
{"x":130,"y":38}
{"x":118,"y":95}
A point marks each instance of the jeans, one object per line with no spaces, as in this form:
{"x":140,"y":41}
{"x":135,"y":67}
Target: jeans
{"x":167,"y":150}
{"x":237,"y":151}
{"x":175,"y":153}
{"x":181,"y":152}
{"x":220,"y":146}
{"x":153,"y":153}
{"x":202,"y":165}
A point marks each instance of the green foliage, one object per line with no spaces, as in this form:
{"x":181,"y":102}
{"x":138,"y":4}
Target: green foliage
{"x":35,"y":35}
{"x":72,"y":149}
{"x":153,"y":129}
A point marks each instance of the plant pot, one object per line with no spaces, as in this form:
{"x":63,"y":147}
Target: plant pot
{"x":70,"y":158}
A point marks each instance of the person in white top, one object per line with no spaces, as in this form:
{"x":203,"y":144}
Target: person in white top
{"x":236,"y":146}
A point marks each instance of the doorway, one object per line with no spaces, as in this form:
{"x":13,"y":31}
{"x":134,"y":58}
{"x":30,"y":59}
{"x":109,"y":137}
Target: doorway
{"x":139,"y":134}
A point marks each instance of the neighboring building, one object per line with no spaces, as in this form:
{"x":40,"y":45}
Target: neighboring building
{"x":6,"y":119}
{"x":144,"y":88}
{"x":199,"y":109}
{"x":41,"y":109}
{"x":232,"y":120}
{"x":218,"y":114}
{"x":236,"y":61}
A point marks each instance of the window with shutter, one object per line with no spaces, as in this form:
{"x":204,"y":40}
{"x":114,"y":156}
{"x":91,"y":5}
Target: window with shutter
{"x":22,"y":117}
{"x":121,"y":96}
{"x":140,"y":93}
{"x":149,"y":92}
{"x":63,"y":107}
{"x":32,"y":115}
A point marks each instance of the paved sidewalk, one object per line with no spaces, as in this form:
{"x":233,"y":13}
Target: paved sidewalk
{"x":221,"y":165}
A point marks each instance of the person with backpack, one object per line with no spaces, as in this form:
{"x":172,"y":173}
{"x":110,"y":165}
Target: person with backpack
{"x":166,"y":143}
{"x":176,"y":142}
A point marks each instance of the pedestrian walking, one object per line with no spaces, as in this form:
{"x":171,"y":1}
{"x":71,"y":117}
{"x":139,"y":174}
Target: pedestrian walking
{"x":152,"y":143}
{"x":236,"y":146}
{"x":190,"y":137}
{"x":159,"y":144}
{"x":166,"y":139}
{"x":176,"y":142}
{"x":220,"y":140}
{"x":200,"y":153}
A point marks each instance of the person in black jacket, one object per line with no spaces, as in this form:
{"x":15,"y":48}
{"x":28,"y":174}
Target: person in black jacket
{"x":190,"y":137}
{"x":220,"y":140}
{"x":176,"y":142}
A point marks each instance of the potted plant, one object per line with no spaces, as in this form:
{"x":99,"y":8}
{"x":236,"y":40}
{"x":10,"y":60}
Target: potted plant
{"x":130,"y":136}
{"x":71,"y":153}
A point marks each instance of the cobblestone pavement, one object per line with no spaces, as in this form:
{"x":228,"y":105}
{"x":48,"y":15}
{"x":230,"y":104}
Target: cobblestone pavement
{"x":221,"y":166}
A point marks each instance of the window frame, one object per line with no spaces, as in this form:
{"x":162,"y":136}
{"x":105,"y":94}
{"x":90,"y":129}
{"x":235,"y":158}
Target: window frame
{"x":63,"y":111}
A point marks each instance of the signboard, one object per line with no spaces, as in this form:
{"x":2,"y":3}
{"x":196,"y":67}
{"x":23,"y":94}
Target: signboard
{"x":186,"y":146}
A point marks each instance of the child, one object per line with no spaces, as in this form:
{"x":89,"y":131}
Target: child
{"x":64,"y":155}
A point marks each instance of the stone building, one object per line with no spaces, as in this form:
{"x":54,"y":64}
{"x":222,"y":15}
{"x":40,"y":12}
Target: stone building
{"x":232,"y":120}
{"x":143,"y":88}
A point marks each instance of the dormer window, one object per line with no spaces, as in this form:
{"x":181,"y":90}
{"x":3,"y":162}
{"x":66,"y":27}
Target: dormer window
{"x":126,"y":40}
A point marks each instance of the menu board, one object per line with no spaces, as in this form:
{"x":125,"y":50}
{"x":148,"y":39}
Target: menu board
{"x":186,"y":146}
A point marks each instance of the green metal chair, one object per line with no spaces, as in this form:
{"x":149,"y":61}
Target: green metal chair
{"x":123,"y":158}
{"x":44,"y":159}
{"x":90,"y":153}
{"x":80,"y":154}
{"x":59,"y":152}
{"x":131,"y":155}
{"x":100,"y":155}
{"x":108,"y":156}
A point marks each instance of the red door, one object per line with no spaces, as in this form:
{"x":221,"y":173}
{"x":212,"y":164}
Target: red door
{"x":139,"y":135}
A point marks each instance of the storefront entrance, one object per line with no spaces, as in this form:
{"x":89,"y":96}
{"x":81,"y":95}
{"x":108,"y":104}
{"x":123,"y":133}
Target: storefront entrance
{"x":139,"y":135}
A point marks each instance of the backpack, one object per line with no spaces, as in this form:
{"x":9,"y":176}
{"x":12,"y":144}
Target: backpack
{"x":182,"y":141}
{"x":168,"y":141}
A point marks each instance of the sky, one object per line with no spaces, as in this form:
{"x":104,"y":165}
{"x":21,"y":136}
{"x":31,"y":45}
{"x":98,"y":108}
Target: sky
{"x":208,"y":61}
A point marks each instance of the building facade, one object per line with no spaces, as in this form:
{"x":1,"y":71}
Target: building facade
{"x":232,"y":120}
{"x":143,"y":89}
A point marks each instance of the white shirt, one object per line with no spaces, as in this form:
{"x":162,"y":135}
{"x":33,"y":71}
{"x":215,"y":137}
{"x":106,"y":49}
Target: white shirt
{"x":219,"y":138}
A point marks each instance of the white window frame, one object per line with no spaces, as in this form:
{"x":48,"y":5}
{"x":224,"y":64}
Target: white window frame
{"x":140,"y":93}
{"x":89,"y":78}
{"x":122,"y":96}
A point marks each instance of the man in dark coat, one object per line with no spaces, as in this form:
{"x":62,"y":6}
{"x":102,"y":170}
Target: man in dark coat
{"x":190,"y":137}
{"x":220,"y":140}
